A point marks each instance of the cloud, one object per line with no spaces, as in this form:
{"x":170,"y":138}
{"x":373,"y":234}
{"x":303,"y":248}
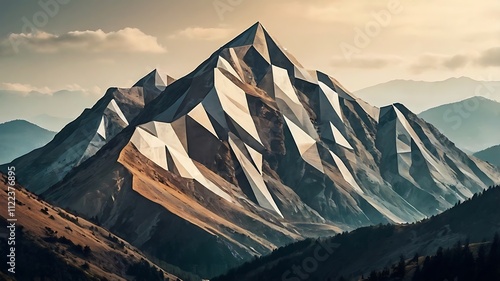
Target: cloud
{"x":202,"y":33}
{"x":25,"y":89}
{"x":426,"y":62}
{"x":487,"y":58}
{"x":456,"y":61}
{"x":95,"y":90}
{"x":438,"y":61}
{"x":490,"y":57}
{"x":127,"y":40}
{"x":366,"y":62}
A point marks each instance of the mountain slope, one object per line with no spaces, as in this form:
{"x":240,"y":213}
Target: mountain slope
{"x":472,"y":124}
{"x":363,"y":250}
{"x":463,"y":261}
{"x":251,"y":151}
{"x":83,"y":137}
{"x":491,"y":155}
{"x":19,"y":137}
{"x":49,"y":237}
{"x":423,"y":95}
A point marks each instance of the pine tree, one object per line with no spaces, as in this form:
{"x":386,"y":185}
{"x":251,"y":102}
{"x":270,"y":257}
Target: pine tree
{"x":493,"y":260}
{"x":467,"y":266}
{"x":415,"y":258}
{"x":400,"y":269}
{"x":494,"y":250}
{"x":481,"y":263}
{"x":416,"y":275}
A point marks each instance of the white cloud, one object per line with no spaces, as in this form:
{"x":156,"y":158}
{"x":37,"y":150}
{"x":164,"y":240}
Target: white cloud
{"x":27,"y":88}
{"x":95,"y":90}
{"x":128,"y":40}
{"x":202,"y":33}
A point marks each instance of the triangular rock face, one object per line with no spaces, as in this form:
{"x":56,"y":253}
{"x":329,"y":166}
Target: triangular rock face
{"x":251,"y":151}
{"x":422,"y":165}
{"x":83,"y":137}
{"x":155,"y":81}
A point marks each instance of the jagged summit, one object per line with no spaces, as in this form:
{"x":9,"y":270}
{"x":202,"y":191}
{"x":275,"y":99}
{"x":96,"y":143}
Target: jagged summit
{"x":248,"y":37}
{"x":156,"y":78}
{"x":258,"y":37}
{"x":254,"y":44}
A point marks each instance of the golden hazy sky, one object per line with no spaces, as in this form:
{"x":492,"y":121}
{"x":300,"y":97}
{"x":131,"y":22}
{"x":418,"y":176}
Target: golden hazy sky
{"x":95,"y":44}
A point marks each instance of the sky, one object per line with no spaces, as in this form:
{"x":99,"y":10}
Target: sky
{"x":50,"y":45}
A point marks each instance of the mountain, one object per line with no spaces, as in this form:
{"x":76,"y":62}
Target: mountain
{"x":85,"y":135}
{"x":50,"y":122}
{"x":472,"y":124}
{"x":48,"y":237}
{"x":249,"y":152}
{"x":357,"y":253}
{"x":423,"y":95}
{"x":19,"y":137}
{"x":491,"y":155}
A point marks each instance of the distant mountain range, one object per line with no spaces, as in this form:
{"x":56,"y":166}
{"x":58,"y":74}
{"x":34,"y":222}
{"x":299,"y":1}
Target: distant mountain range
{"x":19,"y":137}
{"x":422,"y":95}
{"x":46,"y":110}
{"x":355,"y":254}
{"x":472,"y":124}
{"x":491,"y":155}
{"x":49,"y":122}
{"x":248,"y":152}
